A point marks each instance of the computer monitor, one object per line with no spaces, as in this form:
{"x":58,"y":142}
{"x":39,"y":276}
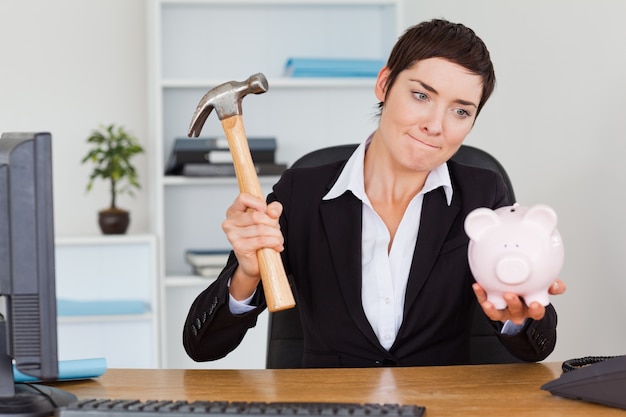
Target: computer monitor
{"x":28,"y":321}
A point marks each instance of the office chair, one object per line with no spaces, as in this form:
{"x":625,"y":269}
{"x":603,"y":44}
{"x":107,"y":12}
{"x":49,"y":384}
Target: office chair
{"x":285,"y":339}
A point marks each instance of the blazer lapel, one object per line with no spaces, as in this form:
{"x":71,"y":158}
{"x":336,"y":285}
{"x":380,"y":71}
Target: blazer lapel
{"x":436,"y":219}
{"x":342,"y":219}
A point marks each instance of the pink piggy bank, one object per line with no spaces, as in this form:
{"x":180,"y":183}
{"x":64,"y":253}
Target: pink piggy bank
{"x":515,"y":249}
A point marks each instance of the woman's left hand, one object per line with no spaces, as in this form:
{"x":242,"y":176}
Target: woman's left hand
{"x":516,"y":310}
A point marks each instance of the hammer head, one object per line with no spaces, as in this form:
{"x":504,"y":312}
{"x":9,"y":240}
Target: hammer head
{"x":226,"y":100}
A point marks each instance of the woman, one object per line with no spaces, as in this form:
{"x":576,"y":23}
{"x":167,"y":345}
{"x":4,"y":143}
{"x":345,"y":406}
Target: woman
{"x":375,"y":245}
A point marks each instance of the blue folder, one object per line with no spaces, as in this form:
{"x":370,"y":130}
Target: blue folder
{"x":70,"y":370}
{"x":332,"y":67}
{"x":67,"y":307}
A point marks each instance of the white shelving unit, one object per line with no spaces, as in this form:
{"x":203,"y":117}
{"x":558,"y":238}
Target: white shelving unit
{"x":101,"y":269}
{"x":198,"y":44}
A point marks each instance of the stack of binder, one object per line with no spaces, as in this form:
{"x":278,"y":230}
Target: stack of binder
{"x":207,"y":262}
{"x":211,"y":157}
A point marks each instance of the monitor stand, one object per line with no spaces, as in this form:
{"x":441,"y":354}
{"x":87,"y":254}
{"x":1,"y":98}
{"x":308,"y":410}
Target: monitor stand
{"x":22,"y":399}
{"x":34,"y":400}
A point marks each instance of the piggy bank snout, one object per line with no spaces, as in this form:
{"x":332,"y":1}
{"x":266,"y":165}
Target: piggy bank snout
{"x":512,"y":270}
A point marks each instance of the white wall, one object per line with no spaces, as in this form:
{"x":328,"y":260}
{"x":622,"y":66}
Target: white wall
{"x":556,"y":122}
{"x":68,"y":66}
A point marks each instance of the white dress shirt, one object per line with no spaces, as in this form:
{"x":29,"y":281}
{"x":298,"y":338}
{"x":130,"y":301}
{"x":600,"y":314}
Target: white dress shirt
{"x":385,"y":273}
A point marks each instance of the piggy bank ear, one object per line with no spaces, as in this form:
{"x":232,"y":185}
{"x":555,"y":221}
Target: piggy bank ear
{"x":542,"y":216}
{"x":480,"y":220}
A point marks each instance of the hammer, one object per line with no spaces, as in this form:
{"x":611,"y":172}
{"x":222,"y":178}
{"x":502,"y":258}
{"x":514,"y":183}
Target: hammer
{"x":226,"y":100}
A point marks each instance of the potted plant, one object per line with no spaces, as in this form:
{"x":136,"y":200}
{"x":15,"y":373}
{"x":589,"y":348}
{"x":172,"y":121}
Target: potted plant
{"x":111,"y":152}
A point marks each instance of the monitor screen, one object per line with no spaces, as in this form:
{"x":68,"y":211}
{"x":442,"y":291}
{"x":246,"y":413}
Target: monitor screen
{"x":28,"y":326}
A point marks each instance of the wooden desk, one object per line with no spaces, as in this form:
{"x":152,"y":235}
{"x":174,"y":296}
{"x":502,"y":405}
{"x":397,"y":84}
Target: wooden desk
{"x":485,"y":390}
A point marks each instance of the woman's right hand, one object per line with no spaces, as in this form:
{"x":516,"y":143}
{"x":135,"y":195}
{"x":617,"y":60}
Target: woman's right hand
{"x":250,"y":225}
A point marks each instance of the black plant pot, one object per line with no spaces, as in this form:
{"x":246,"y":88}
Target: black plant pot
{"x":113,"y":221}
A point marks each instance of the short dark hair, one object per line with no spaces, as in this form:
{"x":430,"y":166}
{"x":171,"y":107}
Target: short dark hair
{"x":440,"y":38}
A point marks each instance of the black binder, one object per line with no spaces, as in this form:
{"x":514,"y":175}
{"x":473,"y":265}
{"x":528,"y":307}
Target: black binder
{"x":215,"y":151}
{"x":228,"y":170}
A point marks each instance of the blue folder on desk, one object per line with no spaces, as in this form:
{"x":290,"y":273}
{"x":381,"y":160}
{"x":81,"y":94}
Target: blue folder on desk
{"x":70,"y":370}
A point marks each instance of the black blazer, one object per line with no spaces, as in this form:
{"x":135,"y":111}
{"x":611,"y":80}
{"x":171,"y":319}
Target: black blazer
{"x":322,"y":258}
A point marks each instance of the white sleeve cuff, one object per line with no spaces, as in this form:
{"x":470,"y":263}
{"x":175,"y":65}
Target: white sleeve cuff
{"x":511,"y":329}
{"x":240,"y":307}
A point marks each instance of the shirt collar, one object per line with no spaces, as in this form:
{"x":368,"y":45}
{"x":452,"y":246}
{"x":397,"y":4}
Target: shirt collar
{"x":351,"y":177}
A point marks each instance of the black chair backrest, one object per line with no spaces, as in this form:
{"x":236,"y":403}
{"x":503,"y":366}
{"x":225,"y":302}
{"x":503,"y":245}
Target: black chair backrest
{"x":285,"y":340}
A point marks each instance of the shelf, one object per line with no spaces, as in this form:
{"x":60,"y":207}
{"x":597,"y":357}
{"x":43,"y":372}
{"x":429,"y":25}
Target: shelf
{"x":188,"y":281}
{"x":283,"y":2}
{"x":171,"y":180}
{"x":280,"y":82}
{"x":105,"y":318}
{"x":102,"y":268}
{"x":196,"y":45}
{"x":103,"y":240}
{"x":267,"y":34}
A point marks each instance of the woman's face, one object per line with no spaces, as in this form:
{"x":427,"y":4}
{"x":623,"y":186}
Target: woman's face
{"x":428,"y":112}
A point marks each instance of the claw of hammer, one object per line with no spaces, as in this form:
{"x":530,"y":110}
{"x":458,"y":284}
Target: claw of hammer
{"x":226,"y":100}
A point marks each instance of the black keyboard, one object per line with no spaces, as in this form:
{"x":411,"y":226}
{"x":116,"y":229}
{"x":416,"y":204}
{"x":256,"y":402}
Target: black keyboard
{"x":122,"y":408}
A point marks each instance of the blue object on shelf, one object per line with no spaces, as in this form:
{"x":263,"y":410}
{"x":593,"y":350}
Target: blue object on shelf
{"x":333,"y":67}
{"x":67,"y":307}
{"x":70,"y":370}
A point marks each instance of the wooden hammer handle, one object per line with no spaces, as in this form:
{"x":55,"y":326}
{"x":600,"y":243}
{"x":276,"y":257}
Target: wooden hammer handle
{"x":277,"y":290}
